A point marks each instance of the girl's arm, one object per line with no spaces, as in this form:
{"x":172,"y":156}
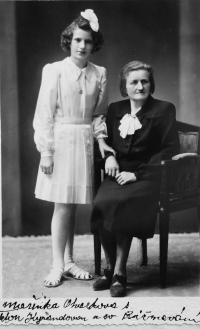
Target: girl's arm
{"x":99,"y":125}
{"x":43,"y":122}
{"x":111,"y":164}
{"x":100,"y":133}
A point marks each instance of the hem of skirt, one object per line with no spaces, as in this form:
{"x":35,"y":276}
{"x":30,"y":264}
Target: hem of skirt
{"x":94,"y":227}
{"x":64,"y":202}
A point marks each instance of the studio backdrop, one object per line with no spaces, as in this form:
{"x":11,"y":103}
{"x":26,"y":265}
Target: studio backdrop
{"x":163,"y":33}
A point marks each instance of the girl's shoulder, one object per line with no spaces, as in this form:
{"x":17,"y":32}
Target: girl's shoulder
{"x":98,"y":70}
{"x":53,"y":67}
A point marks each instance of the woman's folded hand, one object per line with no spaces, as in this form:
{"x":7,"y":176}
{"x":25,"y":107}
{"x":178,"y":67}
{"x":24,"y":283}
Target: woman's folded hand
{"x":111,"y":166}
{"x":125,"y":177}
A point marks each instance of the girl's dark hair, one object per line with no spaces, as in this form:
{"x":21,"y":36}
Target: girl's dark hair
{"x":82,"y":23}
{"x":135,"y":66}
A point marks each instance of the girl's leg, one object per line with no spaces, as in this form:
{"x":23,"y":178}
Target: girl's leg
{"x":70,"y":268}
{"x":62,"y":228}
{"x":68,"y":252}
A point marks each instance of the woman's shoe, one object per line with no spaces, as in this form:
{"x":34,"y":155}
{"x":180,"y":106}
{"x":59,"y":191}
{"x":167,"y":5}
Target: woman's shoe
{"x":119,"y":289}
{"x":103,"y":284}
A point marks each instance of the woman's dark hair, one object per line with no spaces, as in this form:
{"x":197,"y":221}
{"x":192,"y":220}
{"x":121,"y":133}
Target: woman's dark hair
{"x":81,"y":23}
{"x":135,"y":66}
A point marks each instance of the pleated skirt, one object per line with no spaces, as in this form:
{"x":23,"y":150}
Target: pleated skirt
{"x":72,"y":177}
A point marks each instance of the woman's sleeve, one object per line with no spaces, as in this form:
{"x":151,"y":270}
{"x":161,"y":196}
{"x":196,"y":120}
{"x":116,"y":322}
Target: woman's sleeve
{"x":167,"y":134}
{"x":99,"y":125}
{"x":43,"y":122}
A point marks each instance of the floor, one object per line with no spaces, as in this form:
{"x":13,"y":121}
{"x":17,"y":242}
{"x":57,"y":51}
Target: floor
{"x":27,"y":260}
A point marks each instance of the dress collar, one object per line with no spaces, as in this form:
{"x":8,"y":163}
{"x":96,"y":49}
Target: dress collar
{"x":77,"y":71}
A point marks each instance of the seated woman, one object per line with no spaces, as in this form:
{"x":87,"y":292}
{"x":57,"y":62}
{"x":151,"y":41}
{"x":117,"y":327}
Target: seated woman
{"x":142,"y":131}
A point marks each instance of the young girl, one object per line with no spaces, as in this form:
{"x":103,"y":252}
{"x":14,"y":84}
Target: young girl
{"x":70,"y":110}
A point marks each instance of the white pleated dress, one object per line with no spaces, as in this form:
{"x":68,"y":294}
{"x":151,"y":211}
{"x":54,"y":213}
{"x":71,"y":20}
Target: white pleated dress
{"x":70,"y":112}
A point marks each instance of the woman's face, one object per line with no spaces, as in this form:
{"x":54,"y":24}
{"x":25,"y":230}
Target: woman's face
{"x":138,"y":85}
{"x":81,"y":45}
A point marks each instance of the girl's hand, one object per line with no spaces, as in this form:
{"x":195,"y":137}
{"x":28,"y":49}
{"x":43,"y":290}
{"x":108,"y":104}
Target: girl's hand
{"x":125,"y":177}
{"x":111,"y":166}
{"x":104,"y":147}
{"x":46,"y":165}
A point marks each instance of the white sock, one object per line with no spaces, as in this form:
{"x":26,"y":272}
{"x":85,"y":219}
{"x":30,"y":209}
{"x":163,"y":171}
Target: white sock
{"x":68,"y":255}
{"x":62,"y":227}
{"x":139,"y":256}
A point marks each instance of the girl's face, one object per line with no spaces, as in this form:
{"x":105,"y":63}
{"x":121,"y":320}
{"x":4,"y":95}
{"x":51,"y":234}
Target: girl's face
{"x":81,"y":45}
{"x":138,"y":85}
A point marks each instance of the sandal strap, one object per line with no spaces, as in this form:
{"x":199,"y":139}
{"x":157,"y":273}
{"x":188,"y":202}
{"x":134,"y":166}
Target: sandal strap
{"x":77,"y":272}
{"x":68,"y":266}
{"x":55,"y":274}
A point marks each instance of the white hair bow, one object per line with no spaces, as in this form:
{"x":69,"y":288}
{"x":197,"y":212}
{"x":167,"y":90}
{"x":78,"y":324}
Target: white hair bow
{"x":92,"y":18}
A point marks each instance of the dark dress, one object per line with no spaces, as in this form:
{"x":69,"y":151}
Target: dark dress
{"x":131,"y":209}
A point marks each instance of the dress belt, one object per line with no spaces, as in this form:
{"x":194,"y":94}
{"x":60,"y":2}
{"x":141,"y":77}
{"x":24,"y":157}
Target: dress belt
{"x":73,"y":121}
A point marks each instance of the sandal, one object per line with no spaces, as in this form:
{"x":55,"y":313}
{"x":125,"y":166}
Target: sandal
{"x":54,"y":278}
{"x":77,"y":273}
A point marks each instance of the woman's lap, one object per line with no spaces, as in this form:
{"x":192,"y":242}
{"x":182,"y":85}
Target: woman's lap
{"x":129,"y":209}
